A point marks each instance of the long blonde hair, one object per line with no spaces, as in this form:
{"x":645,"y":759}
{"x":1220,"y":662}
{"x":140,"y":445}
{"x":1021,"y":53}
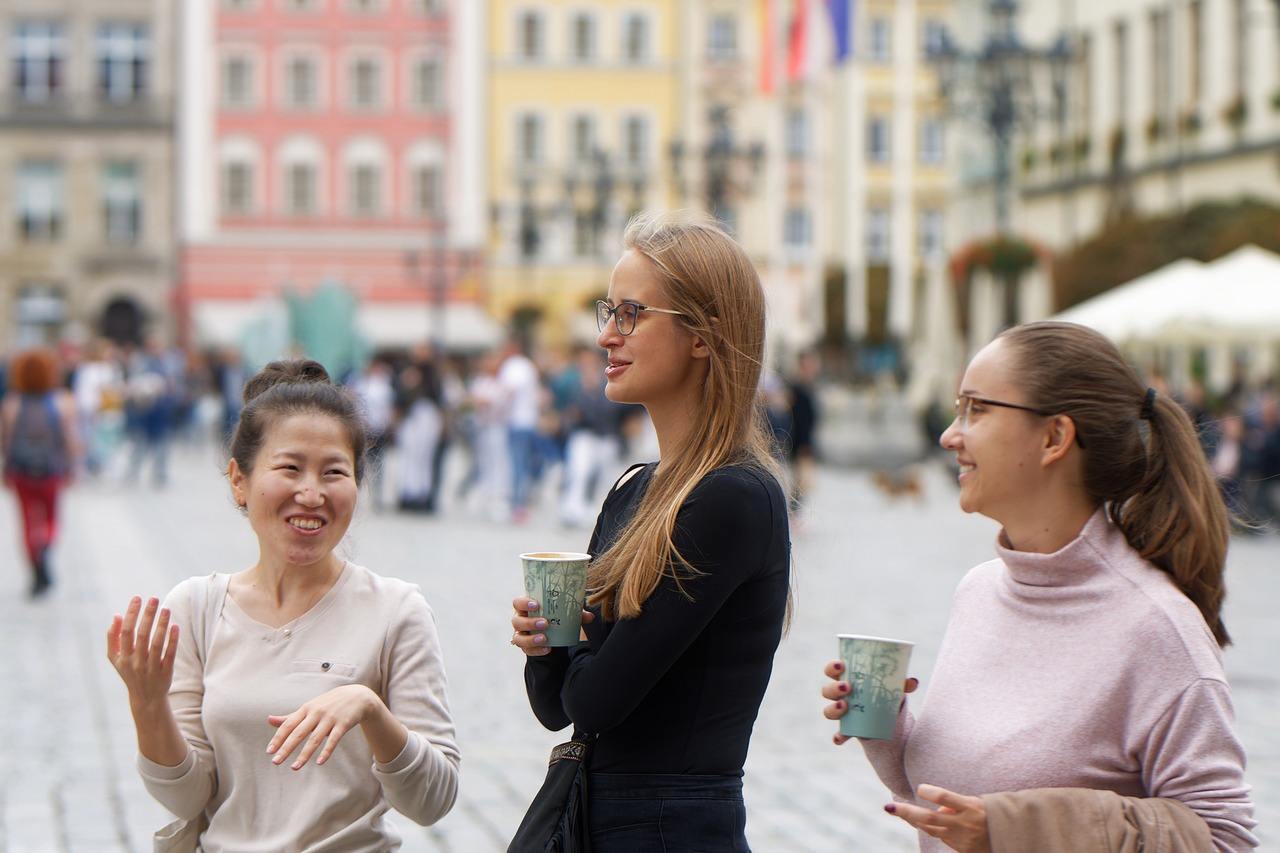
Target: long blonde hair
{"x":709,"y":279}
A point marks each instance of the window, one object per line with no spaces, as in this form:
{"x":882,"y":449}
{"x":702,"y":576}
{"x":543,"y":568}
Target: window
{"x":635,"y":38}
{"x":300,"y":5}
{"x":586,"y":234}
{"x":878,"y":140}
{"x":529,"y":36}
{"x":879,"y":40}
{"x":1161,"y":44}
{"x":364,"y":7}
{"x":1121,"y":41}
{"x":797,"y":133}
{"x":124,"y":51}
{"x":428,"y":191}
{"x":428,"y":85}
{"x":237,"y":188}
{"x":237,"y":81}
{"x":300,"y":83}
{"x":300,"y":189}
{"x":40,"y":200}
{"x":238,"y":5}
{"x":365,"y":189}
{"x":931,"y":144}
{"x":798,"y":229}
{"x":932,"y":34}
{"x":722,"y":38}
{"x":583,"y":38}
{"x":365,"y":83}
{"x":582,"y":138}
{"x":635,"y":141}
{"x":37,"y":48}
{"x":931,"y":244}
{"x":428,"y":7}
{"x":529,"y":139}
{"x":122,"y":202}
{"x":878,"y":235}
{"x":1195,"y":53}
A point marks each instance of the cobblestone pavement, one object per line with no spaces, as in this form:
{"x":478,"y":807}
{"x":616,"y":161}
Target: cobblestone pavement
{"x":866,"y":562}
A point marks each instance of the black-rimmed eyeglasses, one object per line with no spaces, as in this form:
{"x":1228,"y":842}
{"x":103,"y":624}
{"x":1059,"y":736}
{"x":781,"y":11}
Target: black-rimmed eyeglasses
{"x":966,"y":402}
{"x":624,"y":315}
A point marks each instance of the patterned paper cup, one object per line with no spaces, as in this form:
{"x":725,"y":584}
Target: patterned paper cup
{"x":876,"y":669}
{"x":557,"y":580}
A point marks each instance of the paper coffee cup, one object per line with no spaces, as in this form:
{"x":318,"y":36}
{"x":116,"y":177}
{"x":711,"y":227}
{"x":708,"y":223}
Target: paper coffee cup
{"x":875,"y":669}
{"x":557,"y":580}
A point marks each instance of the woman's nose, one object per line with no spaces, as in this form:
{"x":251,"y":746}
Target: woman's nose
{"x":951,"y":436}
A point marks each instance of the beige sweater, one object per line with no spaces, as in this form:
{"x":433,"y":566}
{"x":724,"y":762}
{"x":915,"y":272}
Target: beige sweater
{"x":368,"y":630}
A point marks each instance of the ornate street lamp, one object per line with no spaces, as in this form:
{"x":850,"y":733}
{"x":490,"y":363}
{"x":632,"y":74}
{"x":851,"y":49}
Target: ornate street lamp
{"x":995,"y":85}
{"x":728,"y":168}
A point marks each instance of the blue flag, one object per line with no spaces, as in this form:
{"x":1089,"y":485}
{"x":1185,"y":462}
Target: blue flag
{"x":841,"y":12}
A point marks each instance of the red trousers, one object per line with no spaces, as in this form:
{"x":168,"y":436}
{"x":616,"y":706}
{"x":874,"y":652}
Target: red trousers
{"x":38,"y":499}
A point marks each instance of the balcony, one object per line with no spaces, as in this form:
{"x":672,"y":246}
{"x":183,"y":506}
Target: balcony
{"x":85,"y":112}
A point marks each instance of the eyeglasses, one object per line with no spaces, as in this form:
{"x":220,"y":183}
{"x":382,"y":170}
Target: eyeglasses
{"x":624,"y":315}
{"x":965,"y":404}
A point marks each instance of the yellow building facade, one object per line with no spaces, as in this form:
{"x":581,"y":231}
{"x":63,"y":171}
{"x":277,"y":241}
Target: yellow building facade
{"x":582,"y":98}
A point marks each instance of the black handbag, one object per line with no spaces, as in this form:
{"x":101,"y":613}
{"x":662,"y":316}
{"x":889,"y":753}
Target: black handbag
{"x":556,"y":821}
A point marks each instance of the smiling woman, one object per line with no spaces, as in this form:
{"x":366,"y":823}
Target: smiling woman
{"x":238,"y":674}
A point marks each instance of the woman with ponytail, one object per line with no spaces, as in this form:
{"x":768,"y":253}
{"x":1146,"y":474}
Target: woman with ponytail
{"x":1079,"y":696}
{"x":689,"y":582}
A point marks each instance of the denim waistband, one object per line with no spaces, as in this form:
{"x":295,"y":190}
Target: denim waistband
{"x":613,"y":785}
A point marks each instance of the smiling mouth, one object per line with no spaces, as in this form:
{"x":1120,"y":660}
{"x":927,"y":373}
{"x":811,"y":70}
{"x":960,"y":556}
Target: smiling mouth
{"x":306,"y":523}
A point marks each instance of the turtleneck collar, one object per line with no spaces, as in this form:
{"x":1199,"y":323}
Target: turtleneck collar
{"x":1072,"y":565}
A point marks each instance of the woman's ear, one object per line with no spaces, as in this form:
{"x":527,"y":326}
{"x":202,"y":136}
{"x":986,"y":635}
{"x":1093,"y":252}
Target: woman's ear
{"x":1059,"y":437}
{"x":238,"y":481}
{"x":700,"y":347}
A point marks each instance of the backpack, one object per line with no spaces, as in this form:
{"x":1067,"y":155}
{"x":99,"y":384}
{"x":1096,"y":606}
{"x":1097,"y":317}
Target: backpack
{"x":37,"y":448}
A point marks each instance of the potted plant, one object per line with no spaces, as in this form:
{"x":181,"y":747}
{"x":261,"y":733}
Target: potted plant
{"x":1235,"y":112}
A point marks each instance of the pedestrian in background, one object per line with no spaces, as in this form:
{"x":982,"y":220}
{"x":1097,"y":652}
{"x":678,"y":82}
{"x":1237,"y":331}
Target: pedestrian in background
{"x":375,"y":390}
{"x":39,"y":437}
{"x":690,"y":572}
{"x":419,"y":427}
{"x":1080,"y":672}
{"x":593,"y":423}
{"x":801,"y":459}
{"x":521,"y":402}
{"x":98,"y":386}
{"x":304,"y":657}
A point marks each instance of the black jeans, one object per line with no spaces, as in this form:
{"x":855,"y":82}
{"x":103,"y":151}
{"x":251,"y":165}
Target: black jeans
{"x":652,"y":813}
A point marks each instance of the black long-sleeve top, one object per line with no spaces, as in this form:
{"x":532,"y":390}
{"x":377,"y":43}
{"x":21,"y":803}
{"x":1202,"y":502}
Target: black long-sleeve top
{"x":677,"y":688}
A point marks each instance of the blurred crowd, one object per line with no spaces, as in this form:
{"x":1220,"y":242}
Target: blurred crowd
{"x":519,"y":428}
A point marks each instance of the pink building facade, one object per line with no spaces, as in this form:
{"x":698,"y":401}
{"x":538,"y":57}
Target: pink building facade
{"x":321,"y":142}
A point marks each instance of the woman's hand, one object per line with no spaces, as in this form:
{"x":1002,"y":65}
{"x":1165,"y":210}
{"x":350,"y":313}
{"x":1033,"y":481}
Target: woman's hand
{"x":140,"y":655}
{"x":323,"y":720}
{"x":528,"y":624}
{"x":840,"y":689}
{"x":960,"y":822}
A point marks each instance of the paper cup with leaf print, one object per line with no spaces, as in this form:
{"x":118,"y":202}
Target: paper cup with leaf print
{"x":876,"y":670}
{"x":557,"y":580}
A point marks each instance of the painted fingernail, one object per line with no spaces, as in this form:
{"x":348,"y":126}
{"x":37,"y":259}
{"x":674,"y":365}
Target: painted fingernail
{"x":533,"y":605}
{"x":839,"y":667}
{"x":539,"y":640}
{"x":277,"y":759}
{"x":843,"y":686}
{"x":891,"y":808}
{"x":840,"y":705}
{"x":541,"y":624}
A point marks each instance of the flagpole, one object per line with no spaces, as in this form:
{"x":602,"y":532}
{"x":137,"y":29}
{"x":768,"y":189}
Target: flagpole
{"x":855,"y":190}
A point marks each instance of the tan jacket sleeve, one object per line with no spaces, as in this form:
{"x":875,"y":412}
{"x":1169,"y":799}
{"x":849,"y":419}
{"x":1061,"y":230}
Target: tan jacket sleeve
{"x":1083,"y":820}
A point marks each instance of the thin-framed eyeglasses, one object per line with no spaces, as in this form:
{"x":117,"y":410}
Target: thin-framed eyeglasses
{"x":966,"y":402}
{"x":624,"y":315}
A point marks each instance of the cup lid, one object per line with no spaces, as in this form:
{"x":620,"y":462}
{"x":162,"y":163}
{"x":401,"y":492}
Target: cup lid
{"x":555,"y":556}
{"x":875,"y":639}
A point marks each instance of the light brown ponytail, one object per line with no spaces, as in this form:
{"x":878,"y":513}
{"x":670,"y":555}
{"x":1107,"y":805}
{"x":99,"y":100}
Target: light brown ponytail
{"x":1143,"y":459}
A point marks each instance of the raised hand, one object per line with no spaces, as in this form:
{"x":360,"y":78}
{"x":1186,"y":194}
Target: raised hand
{"x":143,"y":657}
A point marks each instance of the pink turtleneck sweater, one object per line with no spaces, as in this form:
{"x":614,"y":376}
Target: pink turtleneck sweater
{"x":1085,"y":668}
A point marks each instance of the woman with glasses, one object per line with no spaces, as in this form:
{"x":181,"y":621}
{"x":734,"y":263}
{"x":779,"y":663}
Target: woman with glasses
{"x":1079,"y":697}
{"x":689,"y":581}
